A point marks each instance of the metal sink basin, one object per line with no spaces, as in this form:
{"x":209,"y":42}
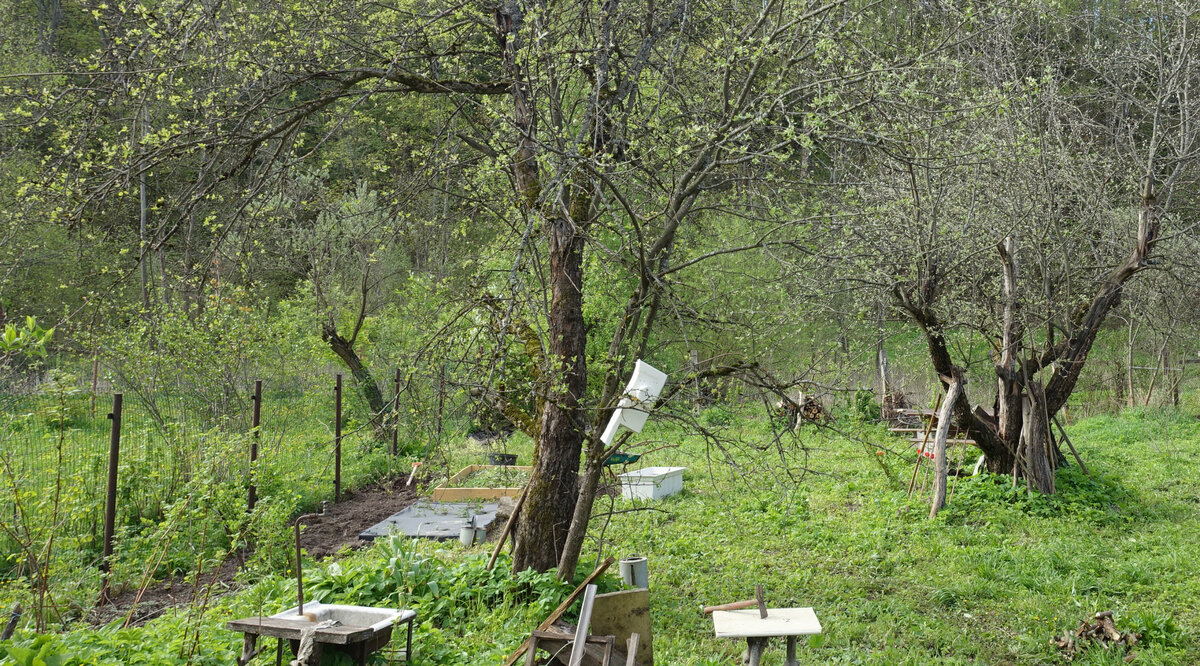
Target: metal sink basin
{"x":375,"y":619}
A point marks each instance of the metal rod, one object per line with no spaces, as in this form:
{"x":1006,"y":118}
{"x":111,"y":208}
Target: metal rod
{"x":337,"y":441}
{"x":255,"y":422}
{"x":300,"y":562}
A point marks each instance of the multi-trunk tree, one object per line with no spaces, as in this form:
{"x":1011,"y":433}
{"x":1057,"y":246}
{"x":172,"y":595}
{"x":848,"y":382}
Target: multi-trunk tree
{"x":1010,"y":209}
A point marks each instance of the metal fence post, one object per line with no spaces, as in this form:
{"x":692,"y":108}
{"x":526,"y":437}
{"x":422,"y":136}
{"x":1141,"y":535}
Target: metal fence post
{"x":256,"y":421}
{"x":396,"y":418}
{"x":337,"y":441}
{"x":110,"y":504}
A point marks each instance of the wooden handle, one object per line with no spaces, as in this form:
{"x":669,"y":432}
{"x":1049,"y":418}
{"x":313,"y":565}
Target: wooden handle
{"x":736,"y":605}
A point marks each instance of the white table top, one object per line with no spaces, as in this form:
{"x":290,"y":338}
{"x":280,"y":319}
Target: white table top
{"x":778,"y":622}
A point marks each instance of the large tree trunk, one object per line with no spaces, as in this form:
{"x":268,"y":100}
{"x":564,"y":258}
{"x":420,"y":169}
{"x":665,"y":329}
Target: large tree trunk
{"x":554,"y":480}
{"x":1037,"y":451}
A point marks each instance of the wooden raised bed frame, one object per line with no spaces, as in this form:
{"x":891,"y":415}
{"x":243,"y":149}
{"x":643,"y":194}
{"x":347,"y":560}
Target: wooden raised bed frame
{"x":444,"y":493}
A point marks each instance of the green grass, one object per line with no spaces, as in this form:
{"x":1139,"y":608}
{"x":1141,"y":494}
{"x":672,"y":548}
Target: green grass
{"x":991,"y":580}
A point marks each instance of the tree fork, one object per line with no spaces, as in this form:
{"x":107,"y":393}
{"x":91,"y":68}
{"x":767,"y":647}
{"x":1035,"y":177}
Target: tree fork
{"x":366,"y":382}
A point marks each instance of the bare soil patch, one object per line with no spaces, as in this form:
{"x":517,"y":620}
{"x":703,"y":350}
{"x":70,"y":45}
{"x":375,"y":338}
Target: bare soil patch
{"x":338,"y":529}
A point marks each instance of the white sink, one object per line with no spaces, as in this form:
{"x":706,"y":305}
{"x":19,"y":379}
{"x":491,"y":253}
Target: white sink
{"x":376,"y":619}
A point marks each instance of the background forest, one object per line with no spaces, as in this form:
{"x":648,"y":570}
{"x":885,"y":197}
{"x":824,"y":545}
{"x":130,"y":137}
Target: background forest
{"x":482,"y":214}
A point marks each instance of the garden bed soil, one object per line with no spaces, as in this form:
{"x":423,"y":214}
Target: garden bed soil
{"x":494,"y":477}
{"x":338,"y":529}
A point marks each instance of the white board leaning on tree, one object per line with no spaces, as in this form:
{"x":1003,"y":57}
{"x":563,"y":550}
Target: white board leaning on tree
{"x":640,"y":395}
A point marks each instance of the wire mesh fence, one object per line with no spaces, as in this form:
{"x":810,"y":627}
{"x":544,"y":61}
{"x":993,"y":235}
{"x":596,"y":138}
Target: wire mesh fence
{"x":55,"y":447}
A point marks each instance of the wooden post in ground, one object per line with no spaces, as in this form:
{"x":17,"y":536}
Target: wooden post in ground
{"x":939,"y":444}
{"x":396,"y":418}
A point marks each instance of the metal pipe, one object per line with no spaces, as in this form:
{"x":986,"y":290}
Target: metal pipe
{"x":300,"y":561}
{"x":256,"y":422}
{"x":396,"y":418}
{"x":114,"y":458}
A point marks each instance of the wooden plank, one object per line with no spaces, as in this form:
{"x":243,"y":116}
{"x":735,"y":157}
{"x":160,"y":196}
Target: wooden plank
{"x":631,"y":649}
{"x":915,"y":440}
{"x":466,"y":494}
{"x":562,"y":608}
{"x":597,"y":649}
{"x":444,"y":493}
{"x":898,"y":431}
{"x":918,"y":412}
{"x":778,"y":622}
{"x":464,"y":473}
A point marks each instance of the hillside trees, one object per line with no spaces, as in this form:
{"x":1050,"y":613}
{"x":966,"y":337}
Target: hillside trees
{"x":608,"y":130}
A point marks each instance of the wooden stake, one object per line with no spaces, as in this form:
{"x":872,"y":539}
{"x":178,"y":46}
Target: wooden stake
{"x":939,"y":445}
{"x":924,"y":441}
{"x":1071,"y":446}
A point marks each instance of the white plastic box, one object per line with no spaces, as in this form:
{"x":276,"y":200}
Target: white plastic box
{"x":652,"y":482}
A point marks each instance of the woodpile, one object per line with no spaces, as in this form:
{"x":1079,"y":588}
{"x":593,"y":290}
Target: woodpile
{"x":804,"y":410}
{"x":894,"y":402}
{"x":1102,"y":632}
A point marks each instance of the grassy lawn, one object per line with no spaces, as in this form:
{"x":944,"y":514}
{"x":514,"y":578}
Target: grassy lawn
{"x":991,"y":580}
